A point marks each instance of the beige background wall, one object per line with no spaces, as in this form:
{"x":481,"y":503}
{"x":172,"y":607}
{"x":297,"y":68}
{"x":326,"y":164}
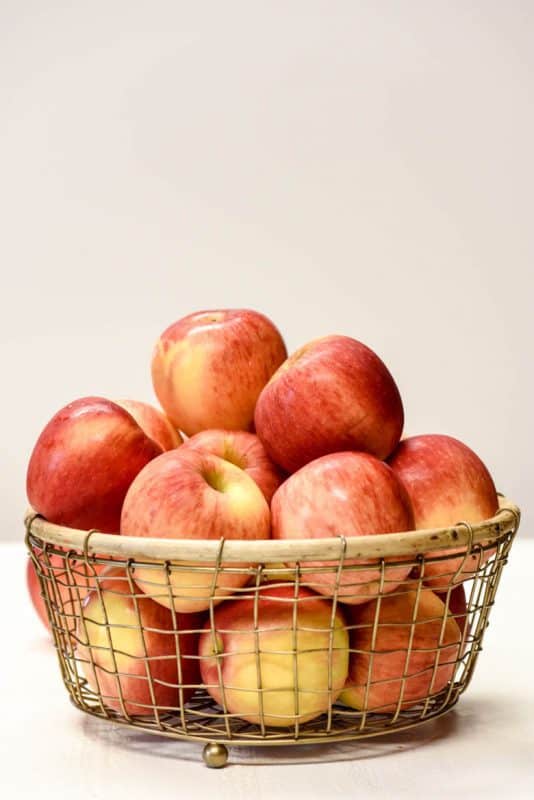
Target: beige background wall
{"x":355,"y":167}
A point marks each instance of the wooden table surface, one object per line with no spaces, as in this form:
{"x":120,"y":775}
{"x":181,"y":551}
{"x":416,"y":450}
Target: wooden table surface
{"x":484,"y":748}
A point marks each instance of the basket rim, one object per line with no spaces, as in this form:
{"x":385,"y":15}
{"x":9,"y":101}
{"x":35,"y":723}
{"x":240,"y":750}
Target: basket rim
{"x":385,"y":545}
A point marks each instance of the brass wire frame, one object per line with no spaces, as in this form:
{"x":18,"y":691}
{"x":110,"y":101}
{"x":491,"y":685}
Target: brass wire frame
{"x":65,"y":571}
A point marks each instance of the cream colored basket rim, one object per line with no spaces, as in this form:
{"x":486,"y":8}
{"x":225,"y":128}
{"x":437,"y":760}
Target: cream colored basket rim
{"x":387,"y":545}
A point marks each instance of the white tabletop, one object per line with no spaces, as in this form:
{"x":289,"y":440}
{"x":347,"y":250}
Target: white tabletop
{"x":483,"y":748}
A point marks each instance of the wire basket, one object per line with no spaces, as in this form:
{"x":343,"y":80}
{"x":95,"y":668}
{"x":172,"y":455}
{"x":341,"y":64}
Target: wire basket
{"x":269,"y":642}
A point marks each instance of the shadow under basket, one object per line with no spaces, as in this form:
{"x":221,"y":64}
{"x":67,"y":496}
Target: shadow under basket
{"x":269,"y":642}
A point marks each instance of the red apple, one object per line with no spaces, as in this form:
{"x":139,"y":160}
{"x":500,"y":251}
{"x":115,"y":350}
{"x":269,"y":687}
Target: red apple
{"x":456,"y":605}
{"x":344,"y":494}
{"x":244,"y":450}
{"x":185,"y":494}
{"x":292,"y":636}
{"x":333,"y":394}
{"x":379,"y":660}
{"x":83,"y":463}
{"x":447,"y":483}
{"x":209,"y":368}
{"x":144,"y":648}
{"x":154,"y":423}
{"x":68,"y":580}
{"x":34,"y":589}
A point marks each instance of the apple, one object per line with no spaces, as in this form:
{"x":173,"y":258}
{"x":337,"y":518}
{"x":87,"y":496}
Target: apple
{"x":68,"y":581}
{"x":154,"y":423}
{"x":378,"y":663}
{"x":189,"y":494}
{"x":83,"y":463}
{"x":244,"y":450}
{"x":457,"y":605}
{"x":127,"y":642}
{"x":447,"y":483}
{"x":276,"y":572}
{"x":292,"y":635}
{"x":333,"y":394}
{"x":34,"y":589}
{"x":344,"y":494}
{"x":209,"y":368}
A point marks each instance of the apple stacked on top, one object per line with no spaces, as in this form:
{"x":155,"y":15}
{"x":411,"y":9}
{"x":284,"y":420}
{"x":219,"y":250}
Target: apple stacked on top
{"x":275,"y":446}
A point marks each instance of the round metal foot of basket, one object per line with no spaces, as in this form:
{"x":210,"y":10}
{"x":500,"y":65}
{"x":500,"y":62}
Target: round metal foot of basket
{"x":215,"y":755}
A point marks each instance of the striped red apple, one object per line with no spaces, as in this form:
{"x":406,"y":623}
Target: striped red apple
{"x":332,"y":394}
{"x":84,"y":462}
{"x":447,"y":483}
{"x":209,"y":368}
{"x":344,"y":494}
{"x":185,"y":494}
{"x":402,"y":651}
{"x":243,"y":449}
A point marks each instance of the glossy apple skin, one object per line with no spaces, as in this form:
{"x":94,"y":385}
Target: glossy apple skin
{"x":154,"y":422}
{"x":209,"y":368}
{"x":390,"y":648}
{"x":243,"y":449}
{"x":69,"y":583}
{"x":188,"y":494}
{"x":84,"y":462}
{"x":333,"y":394}
{"x":276,"y":642}
{"x":447,"y":483}
{"x":116,"y":609}
{"x":344,"y":494}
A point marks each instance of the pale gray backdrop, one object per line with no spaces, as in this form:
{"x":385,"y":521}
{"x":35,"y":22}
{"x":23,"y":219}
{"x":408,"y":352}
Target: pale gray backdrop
{"x":355,"y":167}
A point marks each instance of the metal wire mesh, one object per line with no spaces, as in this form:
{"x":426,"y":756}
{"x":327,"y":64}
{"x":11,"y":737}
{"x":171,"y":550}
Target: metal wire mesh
{"x":283,"y":656}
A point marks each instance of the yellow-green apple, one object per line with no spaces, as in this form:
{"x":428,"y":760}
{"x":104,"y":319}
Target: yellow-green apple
{"x":447,"y":483}
{"x":209,"y":368}
{"x":67,"y":581}
{"x":129,"y":647}
{"x":283,"y":657}
{"x":243,"y":449}
{"x":413,"y":637}
{"x":83,"y":463}
{"x":277,"y":572}
{"x":344,"y":494}
{"x":154,"y":422}
{"x":333,"y":394}
{"x":188,"y":494}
